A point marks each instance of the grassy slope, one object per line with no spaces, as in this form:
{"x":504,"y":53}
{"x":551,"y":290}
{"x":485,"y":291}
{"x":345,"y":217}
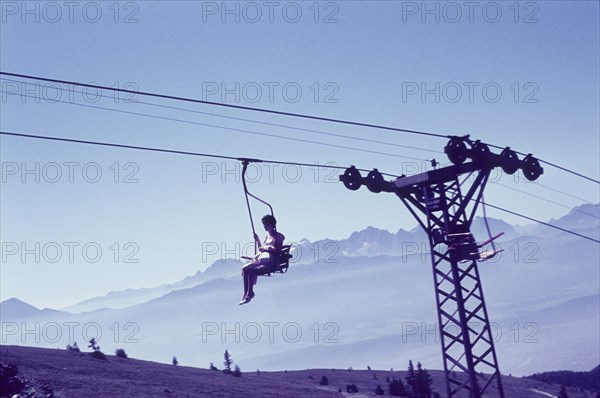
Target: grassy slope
{"x":78,"y":375}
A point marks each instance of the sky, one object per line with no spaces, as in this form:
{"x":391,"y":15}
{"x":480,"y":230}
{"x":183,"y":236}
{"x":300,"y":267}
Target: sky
{"x":79,"y":221}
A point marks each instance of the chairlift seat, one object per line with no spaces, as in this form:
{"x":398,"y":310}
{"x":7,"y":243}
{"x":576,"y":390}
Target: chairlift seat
{"x":281,"y":264}
{"x":487,"y":254}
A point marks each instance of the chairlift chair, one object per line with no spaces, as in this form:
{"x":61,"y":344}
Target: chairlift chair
{"x":281,"y":264}
{"x":283,"y":256}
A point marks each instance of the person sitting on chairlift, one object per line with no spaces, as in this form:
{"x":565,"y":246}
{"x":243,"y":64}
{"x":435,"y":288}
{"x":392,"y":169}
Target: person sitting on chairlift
{"x":265,"y":260}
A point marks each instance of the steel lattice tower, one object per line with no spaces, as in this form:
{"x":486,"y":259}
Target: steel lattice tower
{"x":465,"y":334}
{"x":437,"y":201}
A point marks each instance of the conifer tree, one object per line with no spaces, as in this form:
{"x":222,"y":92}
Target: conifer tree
{"x":411,"y":380}
{"x":227,"y":362}
{"x":237,"y":372}
{"x":418,"y":382}
{"x":424,"y":382}
{"x":396,"y":388}
{"x":563,"y":392}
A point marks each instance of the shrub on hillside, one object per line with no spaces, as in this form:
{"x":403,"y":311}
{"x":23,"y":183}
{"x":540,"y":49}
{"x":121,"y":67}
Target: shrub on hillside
{"x":96,"y":353}
{"x":324,"y":381}
{"x":14,"y":385}
{"x":10,"y":383}
{"x":379,"y":390}
{"x":237,"y":372}
{"x":121,"y":353}
{"x":351,"y":389}
{"x":74,"y":347}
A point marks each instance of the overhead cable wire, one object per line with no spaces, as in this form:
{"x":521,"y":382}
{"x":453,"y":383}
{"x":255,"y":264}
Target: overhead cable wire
{"x":537,"y":183}
{"x":303,"y":129}
{"x":175,"y":151}
{"x":189,"y":153}
{"x":236,"y":129}
{"x":249,"y":121}
{"x":543,"y":223}
{"x":274,"y":112}
{"x":545,"y":200}
{"x":241,"y":107}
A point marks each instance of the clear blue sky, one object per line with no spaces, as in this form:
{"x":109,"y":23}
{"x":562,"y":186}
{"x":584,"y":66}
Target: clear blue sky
{"x":532,"y":68}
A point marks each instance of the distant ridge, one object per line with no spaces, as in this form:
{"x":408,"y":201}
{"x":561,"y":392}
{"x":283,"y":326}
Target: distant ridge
{"x":370,"y":241}
{"x":14,"y":308}
{"x":129,"y":297}
{"x":581,"y":217}
{"x":586,"y":380}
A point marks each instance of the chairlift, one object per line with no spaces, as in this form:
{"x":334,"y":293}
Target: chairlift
{"x":466,"y":249}
{"x":488,"y":254}
{"x":484,"y":255}
{"x":282,"y":258}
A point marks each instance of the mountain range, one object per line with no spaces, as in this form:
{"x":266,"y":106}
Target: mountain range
{"x":364,"y":300}
{"x":368,"y":242}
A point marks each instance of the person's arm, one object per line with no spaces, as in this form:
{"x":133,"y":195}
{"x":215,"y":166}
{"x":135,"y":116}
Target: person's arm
{"x":279,"y":238}
{"x":257,"y":240}
{"x":263,"y":247}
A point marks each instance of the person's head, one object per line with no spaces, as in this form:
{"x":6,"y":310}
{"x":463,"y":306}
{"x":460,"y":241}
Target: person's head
{"x":269,"y":222}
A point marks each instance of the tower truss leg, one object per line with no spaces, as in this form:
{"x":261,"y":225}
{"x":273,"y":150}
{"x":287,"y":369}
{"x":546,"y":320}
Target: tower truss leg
{"x":465,"y":333}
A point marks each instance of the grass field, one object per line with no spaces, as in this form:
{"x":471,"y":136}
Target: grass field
{"x":78,"y":375}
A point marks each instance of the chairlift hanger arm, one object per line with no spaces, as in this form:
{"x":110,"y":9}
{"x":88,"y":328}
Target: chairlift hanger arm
{"x":247,"y":194}
{"x":245,"y":163}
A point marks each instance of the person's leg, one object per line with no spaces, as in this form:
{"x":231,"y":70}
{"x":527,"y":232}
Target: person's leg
{"x":245,"y":278}
{"x":248,"y":277}
{"x":250,"y":283}
{"x":254,"y":271}
{"x":250,"y":274}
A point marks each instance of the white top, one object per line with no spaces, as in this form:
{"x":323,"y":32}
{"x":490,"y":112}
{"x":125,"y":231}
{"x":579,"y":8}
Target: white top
{"x":272,"y":246}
